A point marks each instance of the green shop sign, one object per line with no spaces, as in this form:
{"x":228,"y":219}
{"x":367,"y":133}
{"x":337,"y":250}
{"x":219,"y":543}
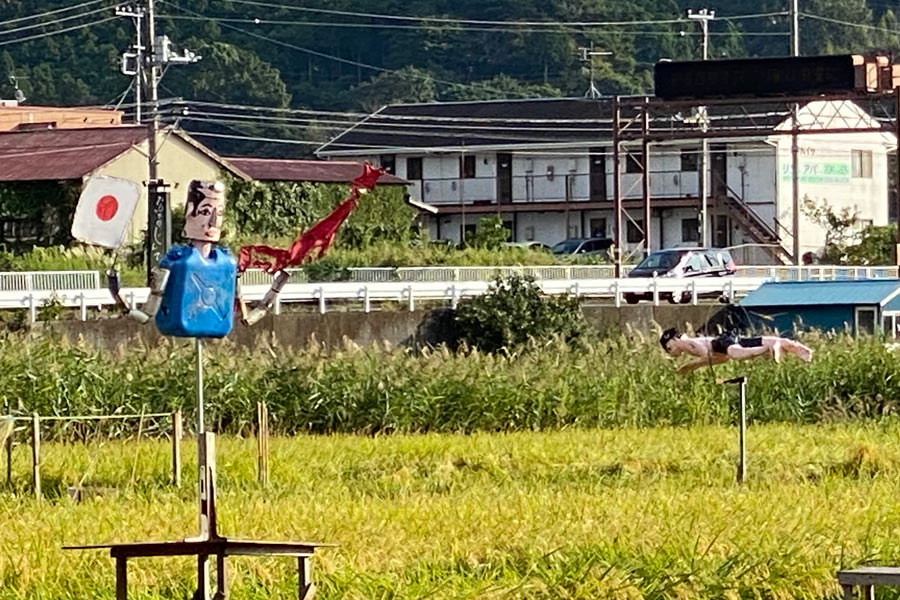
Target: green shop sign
{"x":818,"y":172}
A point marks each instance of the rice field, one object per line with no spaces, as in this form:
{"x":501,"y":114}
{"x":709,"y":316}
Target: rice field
{"x":630,"y":513}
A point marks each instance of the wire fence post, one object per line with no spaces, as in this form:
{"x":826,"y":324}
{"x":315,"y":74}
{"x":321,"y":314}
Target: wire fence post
{"x":36,"y":454}
{"x":262,"y":443}
{"x":177,"y":432}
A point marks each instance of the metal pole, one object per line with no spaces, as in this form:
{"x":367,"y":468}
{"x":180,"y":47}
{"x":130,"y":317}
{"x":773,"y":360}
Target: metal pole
{"x":201,"y":425}
{"x":646,"y":181}
{"x":139,"y":76}
{"x":153,"y":80}
{"x":617,"y":188}
{"x":795,"y":28}
{"x":897,"y":167}
{"x":704,"y":154}
{"x":742,"y":464}
{"x":795,"y":183}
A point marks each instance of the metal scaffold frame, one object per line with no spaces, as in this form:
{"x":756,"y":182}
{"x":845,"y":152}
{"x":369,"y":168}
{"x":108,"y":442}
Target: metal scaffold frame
{"x":647,"y":120}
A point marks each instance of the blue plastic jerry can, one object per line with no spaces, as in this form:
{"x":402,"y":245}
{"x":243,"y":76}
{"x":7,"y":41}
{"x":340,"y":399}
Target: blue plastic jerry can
{"x":199,"y":297}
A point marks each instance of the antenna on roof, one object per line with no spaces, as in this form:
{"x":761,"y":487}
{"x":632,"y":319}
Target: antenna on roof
{"x":20,"y":95}
{"x":587,"y":56}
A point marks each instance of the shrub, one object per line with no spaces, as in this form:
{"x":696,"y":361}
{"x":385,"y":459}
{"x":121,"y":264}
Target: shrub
{"x":514,"y":311}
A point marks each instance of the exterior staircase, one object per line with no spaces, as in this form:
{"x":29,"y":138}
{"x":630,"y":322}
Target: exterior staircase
{"x":758,"y":229}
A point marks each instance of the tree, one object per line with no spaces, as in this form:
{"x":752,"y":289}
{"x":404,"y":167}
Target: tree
{"x":515,"y":310}
{"x":408,"y":85}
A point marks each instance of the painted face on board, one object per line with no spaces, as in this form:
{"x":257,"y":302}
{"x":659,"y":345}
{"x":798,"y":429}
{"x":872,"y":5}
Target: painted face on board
{"x":204,"y":210}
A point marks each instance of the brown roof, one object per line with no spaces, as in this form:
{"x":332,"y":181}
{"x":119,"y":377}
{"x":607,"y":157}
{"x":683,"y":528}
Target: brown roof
{"x":32,"y":118}
{"x":63,"y":154}
{"x":322,"y":171}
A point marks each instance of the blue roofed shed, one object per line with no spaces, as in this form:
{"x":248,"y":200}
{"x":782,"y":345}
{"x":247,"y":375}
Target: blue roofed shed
{"x":861,"y":306}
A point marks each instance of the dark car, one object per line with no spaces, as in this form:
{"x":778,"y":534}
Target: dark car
{"x":582,"y":246}
{"x":681,"y":262}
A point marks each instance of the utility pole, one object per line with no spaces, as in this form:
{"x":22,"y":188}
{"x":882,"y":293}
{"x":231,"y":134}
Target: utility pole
{"x":587,"y":56}
{"x":795,"y":28}
{"x":150,"y":54}
{"x":132,"y":61}
{"x":703,"y":16}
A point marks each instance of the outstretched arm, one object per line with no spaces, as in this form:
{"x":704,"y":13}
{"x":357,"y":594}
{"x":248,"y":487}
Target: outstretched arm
{"x":252,"y":316}
{"x":715,"y":359}
{"x":159,"y":277}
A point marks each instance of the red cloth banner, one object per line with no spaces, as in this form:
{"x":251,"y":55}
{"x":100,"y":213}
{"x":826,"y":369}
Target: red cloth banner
{"x":319,"y":237}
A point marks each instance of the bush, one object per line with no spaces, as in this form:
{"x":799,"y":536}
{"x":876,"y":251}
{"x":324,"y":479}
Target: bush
{"x":514,"y":311}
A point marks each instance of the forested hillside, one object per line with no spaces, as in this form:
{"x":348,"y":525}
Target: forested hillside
{"x":355,"y":55}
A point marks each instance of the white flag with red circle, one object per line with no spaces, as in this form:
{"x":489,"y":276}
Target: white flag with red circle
{"x":104,"y":211}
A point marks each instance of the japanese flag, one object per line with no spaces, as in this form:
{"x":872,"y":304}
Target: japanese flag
{"x":104,"y":211}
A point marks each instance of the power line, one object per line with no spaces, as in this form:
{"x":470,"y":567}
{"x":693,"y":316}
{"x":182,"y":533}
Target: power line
{"x":54,"y":21}
{"x":50,"y":12}
{"x":485,"y":22}
{"x":335,"y":58}
{"x":57,"y":32}
{"x":293,"y":23}
{"x":847,"y":23}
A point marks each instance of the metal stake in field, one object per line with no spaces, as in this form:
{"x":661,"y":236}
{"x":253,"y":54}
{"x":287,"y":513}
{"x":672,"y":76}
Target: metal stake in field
{"x":742,"y":435}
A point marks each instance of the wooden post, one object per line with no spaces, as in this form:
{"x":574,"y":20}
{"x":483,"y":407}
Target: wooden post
{"x":9,"y":445}
{"x":121,"y":578}
{"x":176,"y":448}
{"x":262,"y":442}
{"x":36,"y":454}
{"x":305,"y":589}
{"x":221,"y":578}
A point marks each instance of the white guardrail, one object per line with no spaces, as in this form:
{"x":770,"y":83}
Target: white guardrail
{"x":83,"y":290}
{"x":403,"y":291}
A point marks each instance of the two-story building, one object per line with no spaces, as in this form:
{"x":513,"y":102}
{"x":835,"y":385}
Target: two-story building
{"x":545,"y":166}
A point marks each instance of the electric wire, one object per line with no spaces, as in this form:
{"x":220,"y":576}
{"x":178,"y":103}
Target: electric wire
{"x":50,"y":12}
{"x":56,"y":32}
{"x":54,"y":22}
{"x":487,"y":22}
{"x":330,"y":56}
{"x":445,"y":28}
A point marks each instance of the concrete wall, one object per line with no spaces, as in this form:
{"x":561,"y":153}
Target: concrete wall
{"x":394,"y":328}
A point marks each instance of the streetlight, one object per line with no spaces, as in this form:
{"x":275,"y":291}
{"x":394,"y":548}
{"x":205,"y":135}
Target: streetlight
{"x":703,"y":16}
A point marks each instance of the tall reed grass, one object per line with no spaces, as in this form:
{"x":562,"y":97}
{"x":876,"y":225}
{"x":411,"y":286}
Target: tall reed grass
{"x":616,"y":382}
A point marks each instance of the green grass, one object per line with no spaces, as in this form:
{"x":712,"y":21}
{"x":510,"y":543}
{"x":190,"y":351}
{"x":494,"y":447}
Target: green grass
{"x":606,"y":383}
{"x":577,"y":514}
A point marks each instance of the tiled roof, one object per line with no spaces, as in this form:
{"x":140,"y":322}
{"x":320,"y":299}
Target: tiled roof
{"x":269,"y":169}
{"x":63,"y":154}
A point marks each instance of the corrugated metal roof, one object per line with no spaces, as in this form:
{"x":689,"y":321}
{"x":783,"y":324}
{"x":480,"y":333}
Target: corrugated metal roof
{"x":336,"y":171}
{"x":63,"y":154}
{"x":818,"y":293}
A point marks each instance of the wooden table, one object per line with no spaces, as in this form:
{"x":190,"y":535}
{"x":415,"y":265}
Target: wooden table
{"x":867,"y":578}
{"x":219,"y":547}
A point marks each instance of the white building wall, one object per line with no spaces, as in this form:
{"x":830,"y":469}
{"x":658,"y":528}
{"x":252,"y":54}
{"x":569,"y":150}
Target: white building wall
{"x":826,"y":176}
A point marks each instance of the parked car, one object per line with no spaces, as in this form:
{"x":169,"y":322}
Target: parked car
{"x":682,"y":262}
{"x":582,"y":246}
{"x":532,"y":245}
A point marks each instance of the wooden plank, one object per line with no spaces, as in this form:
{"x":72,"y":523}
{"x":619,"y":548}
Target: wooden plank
{"x":305,"y":588}
{"x":870,"y":576}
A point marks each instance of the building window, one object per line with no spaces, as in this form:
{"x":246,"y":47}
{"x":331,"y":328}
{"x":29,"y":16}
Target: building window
{"x":861,"y":166}
{"x":633,"y":162}
{"x":690,"y":160}
{"x":19,"y":230}
{"x":690,"y":230}
{"x":598,"y":227}
{"x":389,"y":163}
{"x":634,"y":232}
{"x":414,"y":168}
{"x":467,"y":167}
